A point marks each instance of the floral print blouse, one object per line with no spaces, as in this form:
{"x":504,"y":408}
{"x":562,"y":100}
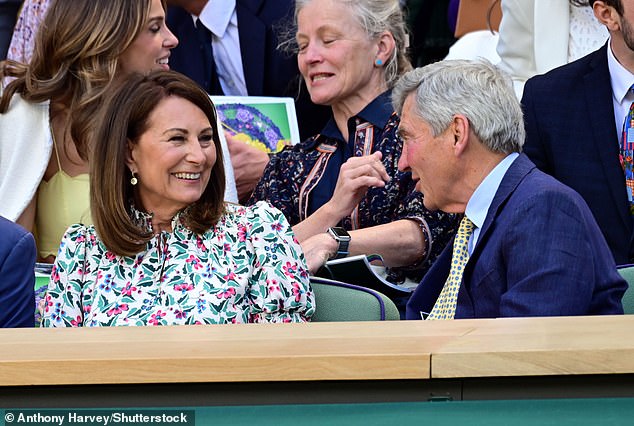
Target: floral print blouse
{"x":247,"y":268}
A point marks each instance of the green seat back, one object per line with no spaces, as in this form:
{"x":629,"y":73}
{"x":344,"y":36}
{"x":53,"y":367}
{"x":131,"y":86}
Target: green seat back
{"x":337,"y":301}
{"x":627,"y":272}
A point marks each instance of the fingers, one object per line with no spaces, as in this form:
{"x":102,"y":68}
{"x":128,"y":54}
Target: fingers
{"x":367,"y":170}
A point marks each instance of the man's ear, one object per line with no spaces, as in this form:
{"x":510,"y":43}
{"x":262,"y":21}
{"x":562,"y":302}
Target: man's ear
{"x":385,"y":47}
{"x":607,"y":15}
{"x":460,"y":131}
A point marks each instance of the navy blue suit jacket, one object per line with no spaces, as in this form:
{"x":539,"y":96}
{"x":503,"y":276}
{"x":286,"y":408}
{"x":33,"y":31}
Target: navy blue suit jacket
{"x":539,"y":253}
{"x":571,"y":135}
{"x":17,"y":279}
{"x":267,"y":70}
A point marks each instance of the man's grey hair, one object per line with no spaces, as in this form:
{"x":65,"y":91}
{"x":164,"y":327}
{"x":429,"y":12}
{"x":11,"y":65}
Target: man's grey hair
{"x":475,"y":89}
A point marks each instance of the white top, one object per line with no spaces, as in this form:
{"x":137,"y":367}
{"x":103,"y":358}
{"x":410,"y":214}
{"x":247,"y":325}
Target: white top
{"x":539,"y":35}
{"x":586,"y":33}
{"x":219,"y":16}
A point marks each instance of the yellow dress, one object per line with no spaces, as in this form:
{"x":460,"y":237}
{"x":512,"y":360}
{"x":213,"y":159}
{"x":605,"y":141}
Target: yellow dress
{"x":61,"y":202}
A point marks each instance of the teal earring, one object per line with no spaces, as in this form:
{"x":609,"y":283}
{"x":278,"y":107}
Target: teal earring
{"x":379,"y":62}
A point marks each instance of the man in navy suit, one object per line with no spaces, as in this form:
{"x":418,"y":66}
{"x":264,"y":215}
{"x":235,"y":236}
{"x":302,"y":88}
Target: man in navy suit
{"x":17,"y":279}
{"x":574,"y":116}
{"x":535,"y":250}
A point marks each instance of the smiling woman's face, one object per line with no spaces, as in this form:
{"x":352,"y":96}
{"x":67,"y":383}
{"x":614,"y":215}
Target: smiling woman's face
{"x":173,"y":157}
{"x":336,"y":56}
{"x":151,"y":48}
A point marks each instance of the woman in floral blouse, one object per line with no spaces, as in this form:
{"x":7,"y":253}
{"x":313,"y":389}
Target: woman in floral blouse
{"x":164,"y":248}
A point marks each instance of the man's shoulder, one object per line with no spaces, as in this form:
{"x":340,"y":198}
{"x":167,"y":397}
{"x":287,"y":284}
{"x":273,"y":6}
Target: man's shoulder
{"x":569,"y":75}
{"x":543,"y":190}
{"x":12,"y":233}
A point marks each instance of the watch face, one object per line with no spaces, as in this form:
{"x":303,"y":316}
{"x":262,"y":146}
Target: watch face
{"x":339,"y":232}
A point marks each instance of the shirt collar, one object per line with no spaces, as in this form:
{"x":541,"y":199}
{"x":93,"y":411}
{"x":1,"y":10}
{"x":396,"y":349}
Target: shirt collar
{"x":481,"y":199}
{"x":377,"y":112}
{"x":620,"y":78}
{"x":217,"y":14}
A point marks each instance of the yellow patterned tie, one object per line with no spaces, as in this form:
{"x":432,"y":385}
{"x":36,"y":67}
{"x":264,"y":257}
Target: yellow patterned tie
{"x":445,"y":307}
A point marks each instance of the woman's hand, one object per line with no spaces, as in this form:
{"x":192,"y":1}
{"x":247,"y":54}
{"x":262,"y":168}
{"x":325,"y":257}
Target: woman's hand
{"x":356,"y":176}
{"x":317,"y":250}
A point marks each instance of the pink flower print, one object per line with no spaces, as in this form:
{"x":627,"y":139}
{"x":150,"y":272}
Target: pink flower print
{"x":297,"y":292}
{"x":76,"y":322}
{"x":47,"y":303}
{"x":273,"y":286}
{"x":277,"y":226}
{"x":87,"y":308}
{"x":194,"y":261}
{"x":179,"y":314}
{"x":242,"y":233}
{"x":183,"y":288}
{"x":155,"y":318}
{"x":55,"y":274}
{"x":80,"y":239}
{"x":289,"y":269}
{"x":200,"y":244}
{"x":128,"y":289}
{"x":227,"y":293}
{"x":117,"y":309}
{"x":110,"y":256}
{"x":230,"y":276}
{"x":226,"y":248}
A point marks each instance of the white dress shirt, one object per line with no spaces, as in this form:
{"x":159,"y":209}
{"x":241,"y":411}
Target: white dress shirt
{"x":219,"y":16}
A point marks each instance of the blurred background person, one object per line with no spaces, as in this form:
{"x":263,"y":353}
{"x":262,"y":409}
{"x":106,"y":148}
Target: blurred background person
{"x":537,"y":36}
{"x":350,"y":53}
{"x":8,"y":15}
{"x":47,"y":112}
{"x":579,"y":129}
{"x":165,"y":249}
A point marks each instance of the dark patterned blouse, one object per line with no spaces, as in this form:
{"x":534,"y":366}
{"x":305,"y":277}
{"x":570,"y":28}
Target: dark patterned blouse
{"x":303,"y":177}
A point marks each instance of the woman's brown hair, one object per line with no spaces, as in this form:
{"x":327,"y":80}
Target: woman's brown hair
{"x":124,"y":119}
{"x":75,"y":58}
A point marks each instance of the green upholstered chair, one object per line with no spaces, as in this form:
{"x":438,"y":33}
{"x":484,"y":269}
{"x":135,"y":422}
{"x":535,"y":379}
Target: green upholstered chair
{"x":627,"y":272}
{"x":337,"y":301}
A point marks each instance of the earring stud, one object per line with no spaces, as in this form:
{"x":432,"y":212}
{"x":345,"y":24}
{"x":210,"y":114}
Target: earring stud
{"x":379,"y":62}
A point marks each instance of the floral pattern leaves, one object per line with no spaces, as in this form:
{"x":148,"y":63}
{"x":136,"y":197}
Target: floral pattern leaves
{"x":247,"y":268}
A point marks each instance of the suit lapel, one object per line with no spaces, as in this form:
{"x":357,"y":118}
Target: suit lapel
{"x":514,"y":175}
{"x":252,"y":43}
{"x":598,"y":98}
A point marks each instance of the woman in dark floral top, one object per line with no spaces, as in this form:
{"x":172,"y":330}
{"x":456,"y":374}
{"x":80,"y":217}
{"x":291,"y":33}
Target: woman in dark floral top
{"x":350,"y":55}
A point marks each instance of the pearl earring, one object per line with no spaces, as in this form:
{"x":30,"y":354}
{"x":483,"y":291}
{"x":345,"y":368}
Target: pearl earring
{"x":134,"y":180}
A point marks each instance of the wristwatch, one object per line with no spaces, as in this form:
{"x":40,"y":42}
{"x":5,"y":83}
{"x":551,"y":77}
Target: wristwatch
{"x":342,"y":237}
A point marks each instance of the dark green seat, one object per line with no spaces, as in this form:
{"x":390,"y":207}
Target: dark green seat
{"x":627,"y":272}
{"x":337,"y":301}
